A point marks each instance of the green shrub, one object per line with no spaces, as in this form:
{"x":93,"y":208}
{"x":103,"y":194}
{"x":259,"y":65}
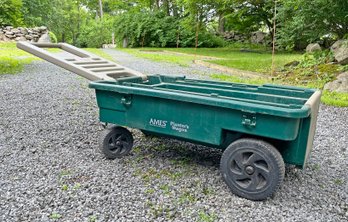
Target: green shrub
{"x":10,"y":12}
{"x":12,"y":59}
{"x":208,"y":40}
{"x":9,"y":65}
{"x":95,"y":33}
{"x":156,"y":29}
{"x":316,"y":58}
{"x":153,"y":29}
{"x":53,"y":37}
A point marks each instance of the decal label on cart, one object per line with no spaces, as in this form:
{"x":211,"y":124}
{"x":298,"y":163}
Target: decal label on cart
{"x":173,"y":125}
{"x":158,"y":123}
{"x":179,"y":127}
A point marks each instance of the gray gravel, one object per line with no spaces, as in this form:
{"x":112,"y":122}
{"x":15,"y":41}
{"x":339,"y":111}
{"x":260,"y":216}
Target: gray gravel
{"x":150,"y":67}
{"x":49,"y":167}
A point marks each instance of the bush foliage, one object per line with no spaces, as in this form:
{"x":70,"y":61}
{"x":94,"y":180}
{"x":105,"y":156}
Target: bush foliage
{"x":95,"y":33}
{"x":156,"y":29}
{"x":171,"y":23}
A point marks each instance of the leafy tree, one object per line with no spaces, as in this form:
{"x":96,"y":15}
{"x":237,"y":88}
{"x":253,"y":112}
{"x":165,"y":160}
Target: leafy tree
{"x":305,"y":22}
{"x":147,"y":29}
{"x":10,"y":12}
{"x":37,"y":12}
{"x":197,"y":15}
{"x":95,"y":33}
{"x":67,"y":20}
{"x":179,"y":22}
{"x":223,"y":9}
{"x":251,"y":15}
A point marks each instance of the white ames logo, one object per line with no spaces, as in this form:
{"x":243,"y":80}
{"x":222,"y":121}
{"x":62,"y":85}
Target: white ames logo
{"x":158,"y":123}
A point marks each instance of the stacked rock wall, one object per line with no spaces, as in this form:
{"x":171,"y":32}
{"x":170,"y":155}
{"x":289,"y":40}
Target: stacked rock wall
{"x":254,"y":37}
{"x":10,"y":33}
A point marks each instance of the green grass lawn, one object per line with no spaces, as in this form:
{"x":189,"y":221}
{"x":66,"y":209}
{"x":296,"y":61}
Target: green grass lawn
{"x":158,"y":55}
{"x":256,"y":61}
{"x":13,"y":59}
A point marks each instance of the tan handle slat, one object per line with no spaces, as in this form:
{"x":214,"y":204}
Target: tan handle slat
{"x":78,"y":61}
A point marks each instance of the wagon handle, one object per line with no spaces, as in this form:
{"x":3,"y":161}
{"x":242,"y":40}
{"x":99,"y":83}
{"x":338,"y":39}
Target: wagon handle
{"x":80,"y":62}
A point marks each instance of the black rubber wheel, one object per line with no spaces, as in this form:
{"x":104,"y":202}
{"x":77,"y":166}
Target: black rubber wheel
{"x":115,"y":142}
{"x":253,"y":169}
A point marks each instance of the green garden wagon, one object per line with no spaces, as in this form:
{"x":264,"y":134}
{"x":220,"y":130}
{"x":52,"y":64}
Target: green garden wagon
{"x":258,"y":127}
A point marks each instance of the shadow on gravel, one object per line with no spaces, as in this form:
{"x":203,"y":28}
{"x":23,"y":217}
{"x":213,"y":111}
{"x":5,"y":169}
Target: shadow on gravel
{"x":186,"y":153}
{"x":179,"y":152}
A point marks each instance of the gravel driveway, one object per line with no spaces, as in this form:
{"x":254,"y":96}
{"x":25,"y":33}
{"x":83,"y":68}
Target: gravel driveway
{"x":150,"y":67}
{"x":50,"y":169}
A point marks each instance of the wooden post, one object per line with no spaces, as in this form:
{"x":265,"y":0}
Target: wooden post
{"x":113,"y":38}
{"x":125,"y":42}
{"x":196,"y":44}
{"x":274,"y":36}
{"x":143,"y":41}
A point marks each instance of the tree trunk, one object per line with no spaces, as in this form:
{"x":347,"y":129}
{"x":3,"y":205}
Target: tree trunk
{"x":221,"y":28}
{"x":101,"y":8}
{"x":74,"y":38}
{"x":166,"y":7}
{"x":196,"y":44}
{"x":125,"y":42}
{"x":270,"y":28}
{"x":197,"y":34}
{"x":154,"y":4}
{"x":78,"y":21}
{"x":143,"y":41}
{"x":175,"y":10}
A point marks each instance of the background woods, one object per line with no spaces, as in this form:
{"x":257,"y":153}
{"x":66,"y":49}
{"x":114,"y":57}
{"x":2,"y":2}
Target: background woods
{"x":172,"y":23}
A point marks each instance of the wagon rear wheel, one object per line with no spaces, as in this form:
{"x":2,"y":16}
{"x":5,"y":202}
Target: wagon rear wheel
{"x":115,"y":142}
{"x":252,"y":168}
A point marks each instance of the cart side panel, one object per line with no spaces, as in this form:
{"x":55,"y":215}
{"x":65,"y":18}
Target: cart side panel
{"x":109,"y":100}
{"x":173,"y":118}
{"x":294,"y":152}
{"x":190,"y":121}
{"x":261,"y":125}
{"x":178,"y":119}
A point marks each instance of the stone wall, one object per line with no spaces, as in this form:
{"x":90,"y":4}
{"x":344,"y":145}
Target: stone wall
{"x":254,"y":37}
{"x":37,"y":34}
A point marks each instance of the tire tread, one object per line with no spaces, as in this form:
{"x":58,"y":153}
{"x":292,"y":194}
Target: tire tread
{"x":274,"y":152}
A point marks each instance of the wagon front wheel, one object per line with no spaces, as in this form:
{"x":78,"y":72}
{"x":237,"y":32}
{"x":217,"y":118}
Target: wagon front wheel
{"x":253,"y":169}
{"x":115,"y":142}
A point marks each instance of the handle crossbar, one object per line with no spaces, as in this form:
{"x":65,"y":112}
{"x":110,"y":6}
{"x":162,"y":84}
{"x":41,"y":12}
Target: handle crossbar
{"x":80,"y":62}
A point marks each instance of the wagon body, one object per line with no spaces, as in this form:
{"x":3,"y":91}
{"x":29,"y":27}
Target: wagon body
{"x":258,"y":127}
{"x":213,"y":113}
